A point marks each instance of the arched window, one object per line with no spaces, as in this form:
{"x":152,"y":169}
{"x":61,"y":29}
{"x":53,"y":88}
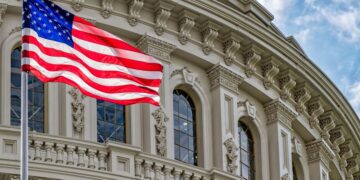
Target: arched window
{"x":184,"y":128}
{"x":35,"y":96}
{"x":247,"y":166}
{"x":110,"y":122}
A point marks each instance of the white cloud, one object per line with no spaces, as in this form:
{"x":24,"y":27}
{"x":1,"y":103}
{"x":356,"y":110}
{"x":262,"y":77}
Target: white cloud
{"x":303,"y":36}
{"x":278,"y":8}
{"x":354,"y":92}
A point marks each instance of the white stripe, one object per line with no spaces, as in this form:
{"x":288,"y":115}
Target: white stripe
{"x":108,"y":50}
{"x":65,"y":61}
{"x":85,"y":86}
{"x":90,"y":62}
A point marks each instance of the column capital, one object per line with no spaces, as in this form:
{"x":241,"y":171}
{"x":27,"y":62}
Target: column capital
{"x":221,"y":76}
{"x":278,"y":111}
{"x":318,"y":150}
{"x":156,"y":47}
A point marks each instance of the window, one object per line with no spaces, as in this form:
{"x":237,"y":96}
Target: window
{"x":247,"y":166}
{"x":35,"y":96}
{"x":184,"y":128}
{"x":110,"y":122}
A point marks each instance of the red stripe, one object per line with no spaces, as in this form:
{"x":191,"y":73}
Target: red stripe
{"x":83,"y":21}
{"x":106,"y":41}
{"x":98,"y":73}
{"x":119,"y":61}
{"x":72,"y":83}
{"x":78,"y":72}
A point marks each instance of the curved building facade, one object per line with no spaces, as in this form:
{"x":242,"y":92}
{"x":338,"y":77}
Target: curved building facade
{"x":239,"y":101}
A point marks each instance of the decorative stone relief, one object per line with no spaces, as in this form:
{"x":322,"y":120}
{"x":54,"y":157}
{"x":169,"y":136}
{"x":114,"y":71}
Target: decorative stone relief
{"x":356,"y":176}
{"x":301,"y":96}
{"x":296,"y":147}
{"x":162,"y":14}
{"x":189,"y":77}
{"x":336,"y":137}
{"x":315,"y":109}
{"x":352,"y":166}
{"x":15,"y":30}
{"x":77,"y":106}
{"x":186,"y":23}
{"x":278,"y":111}
{"x":286,"y":83}
{"x":248,"y":108}
{"x":318,"y":150}
{"x":231,"y":155}
{"x":156,"y":47}
{"x":3,"y":8}
{"x":269,"y":70}
{"x":251,"y":58}
{"x":77,"y":5}
{"x":219,"y":75}
{"x":135,"y":7}
{"x":231,"y":46}
{"x":209,"y":34}
{"x":285,"y":177}
{"x":345,"y":153}
{"x":106,"y":8}
{"x":160,"y":126}
{"x":326,"y":123}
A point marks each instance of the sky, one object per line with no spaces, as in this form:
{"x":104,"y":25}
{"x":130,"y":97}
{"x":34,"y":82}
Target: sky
{"x":329,"y":33}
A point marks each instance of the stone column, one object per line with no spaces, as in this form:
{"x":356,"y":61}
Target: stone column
{"x":319,"y":157}
{"x":160,"y":50}
{"x":224,"y":90}
{"x":279,"y":122}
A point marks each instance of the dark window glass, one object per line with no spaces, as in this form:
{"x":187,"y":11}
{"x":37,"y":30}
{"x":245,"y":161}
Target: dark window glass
{"x":35,"y":96}
{"x":110,"y":122}
{"x":184,"y":128}
{"x":247,"y":166}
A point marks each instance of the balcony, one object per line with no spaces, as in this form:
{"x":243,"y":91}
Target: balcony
{"x":55,"y":157}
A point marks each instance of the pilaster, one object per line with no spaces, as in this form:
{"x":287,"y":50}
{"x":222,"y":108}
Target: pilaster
{"x":319,"y":157}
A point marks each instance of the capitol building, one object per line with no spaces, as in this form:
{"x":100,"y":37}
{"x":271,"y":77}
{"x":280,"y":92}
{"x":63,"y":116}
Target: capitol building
{"x":239,"y":101}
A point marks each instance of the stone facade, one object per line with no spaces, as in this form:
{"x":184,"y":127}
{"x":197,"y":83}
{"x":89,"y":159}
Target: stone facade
{"x":236,"y":66}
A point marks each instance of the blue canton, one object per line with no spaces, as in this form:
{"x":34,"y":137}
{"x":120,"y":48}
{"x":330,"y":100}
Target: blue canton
{"x":49,"y":20}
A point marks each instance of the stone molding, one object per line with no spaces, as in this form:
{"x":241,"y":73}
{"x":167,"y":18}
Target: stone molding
{"x":277,"y":111}
{"x":77,"y":112}
{"x":186,"y":23}
{"x":287,"y":83}
{"x":3,"y":8}
{"x":15,"y":30}
{"x":270,"y":69}
{"x":189,"y":76}
{"x":301,"y":96}
{"x":220,"y":75}
{"x":248,"y":108}
{"x":231,"y":46}
{"x":209,"y":34}
{"x":231,"y":155}
{"x":252,"y":56}
{"x":77,"y":5}
{"x":315,"y":109}
{"x":162,"y":14}
{"x":134,"y":8}
{"x":156,"y":47}
{"x":160,"y":127}
{"x":106,"y":8}
{"x":326,"y":123}
{"x":318,"y":150}
{"x":337,"y":137}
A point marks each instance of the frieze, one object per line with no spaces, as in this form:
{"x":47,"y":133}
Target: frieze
{"x":134,"y":7}
{"x":160,"y":127}
{"x":106,"y":8}
{"x":231,"y":155}
{"x":156,"y":47}
{"x":269,"y":70}
{"x":251,"y":57}
{"x":162,"y":14}
{"x":326,"y":123}
{"x":209,"y":34}
{"x":278,"y":111}
{"x":231,"y":45}
{"x":319,"y":150}
{"x":186,"y":23}
{"x":220,"y":75}
{"x":287,"y":83}
{"x":301,"y":96}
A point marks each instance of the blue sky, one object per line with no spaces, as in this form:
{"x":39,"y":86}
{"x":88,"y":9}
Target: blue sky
{"x":329,"y":32}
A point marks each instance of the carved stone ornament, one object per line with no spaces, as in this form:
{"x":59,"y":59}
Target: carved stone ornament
{"x":160,"y":127}
{"x":248,"y":108}
{"x":3,"y":8}
{"x":221,"y":76}
{"x":326,"y":123}
{"x":345,"y":153}
{"x":156,"y":47}
{"x":77,"y":5}
{"x":337,"y":137}
{"x":251,"y":58}
{"x":315,"y":109}
{"x":301,"y":96}
{"x":285,"y":177}
{"x":296,"y":147}
{"x":277,"y":111}
{"x":189,"y":77}
{"x":269,"y":70}
{"x":318,"y":150}
{"x":135,"y":7}
{"x":162,"y":14}
{"x":15,"y":30}
{"x":106,"y":8}
{"x":352,"y":166}
{"x":209,"y":34}
{"x":231,"y":46}
{"x":77,"y":106}
{"x":186,"y":23}
{"x":231,"y":155}
{"x":286,"y":83}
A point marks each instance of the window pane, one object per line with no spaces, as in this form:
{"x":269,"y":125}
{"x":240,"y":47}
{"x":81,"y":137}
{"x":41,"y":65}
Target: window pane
{"x":184,"y":154}
{"x":184,"y":140}
{"x":244,"y":172}
{"x":246,"y":152}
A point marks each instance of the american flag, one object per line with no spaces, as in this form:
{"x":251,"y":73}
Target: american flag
{"x":58,"y":46}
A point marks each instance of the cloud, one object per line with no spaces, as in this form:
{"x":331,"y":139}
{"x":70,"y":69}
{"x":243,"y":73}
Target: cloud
{"x":278,"y":8}
{"x":354,"y":97}
{"x":303,"y":36}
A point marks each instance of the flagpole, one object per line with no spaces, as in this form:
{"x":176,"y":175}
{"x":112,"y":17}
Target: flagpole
{"x":24,"y":126}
